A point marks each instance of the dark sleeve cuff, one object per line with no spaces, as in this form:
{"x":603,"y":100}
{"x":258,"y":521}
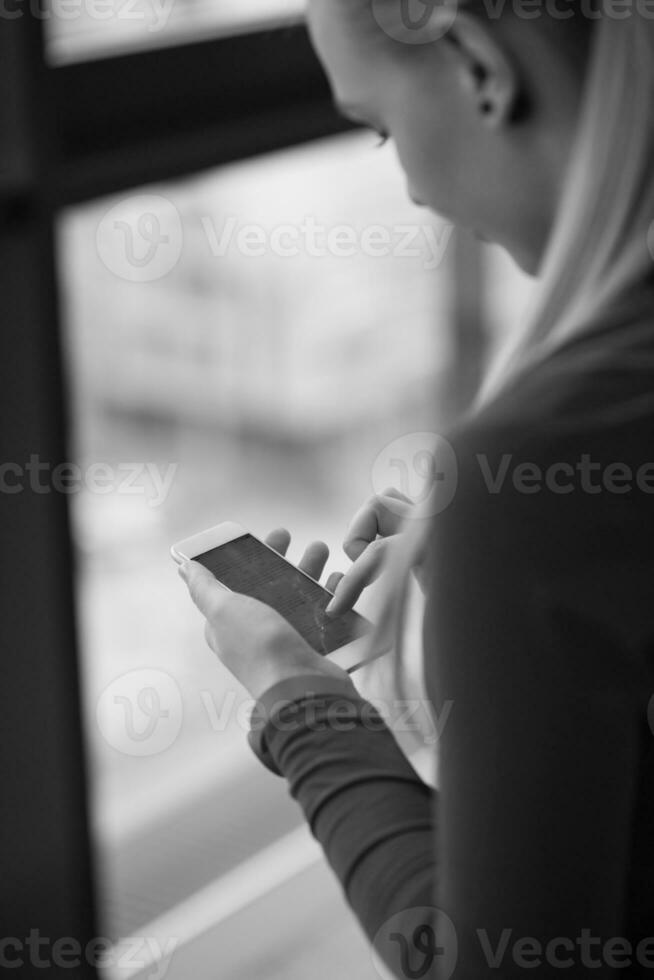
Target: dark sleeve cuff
{"x":292,"y":693}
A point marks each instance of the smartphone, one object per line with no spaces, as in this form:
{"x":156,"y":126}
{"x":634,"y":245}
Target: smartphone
{"x":244,"y":564}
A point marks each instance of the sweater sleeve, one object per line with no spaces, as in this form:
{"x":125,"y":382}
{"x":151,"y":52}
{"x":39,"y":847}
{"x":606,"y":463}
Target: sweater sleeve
{"x":363,"y":801}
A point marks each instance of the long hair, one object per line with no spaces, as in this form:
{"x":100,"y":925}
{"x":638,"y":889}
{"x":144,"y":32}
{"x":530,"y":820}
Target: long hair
{"x":599,"y":248}
{"x":598,"y":253}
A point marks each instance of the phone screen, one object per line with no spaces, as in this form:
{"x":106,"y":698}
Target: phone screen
{"x":247,"y":566}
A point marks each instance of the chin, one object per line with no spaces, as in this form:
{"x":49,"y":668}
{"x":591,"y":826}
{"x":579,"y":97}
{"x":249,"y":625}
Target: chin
{"x":527,"y":255}
{"x":529,"y":260}
{"x":529,"y":263}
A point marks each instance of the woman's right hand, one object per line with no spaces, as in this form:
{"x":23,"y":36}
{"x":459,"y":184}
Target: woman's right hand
{"x":375,"y":530}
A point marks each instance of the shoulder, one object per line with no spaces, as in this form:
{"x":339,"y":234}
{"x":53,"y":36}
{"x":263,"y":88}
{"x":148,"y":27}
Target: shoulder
{"x":552,"y":504}
{"x":515,"y":487}
{"x":564,"y":450}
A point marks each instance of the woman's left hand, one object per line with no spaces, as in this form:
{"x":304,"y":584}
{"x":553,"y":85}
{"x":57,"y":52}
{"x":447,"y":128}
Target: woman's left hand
{"x":254,"y":642}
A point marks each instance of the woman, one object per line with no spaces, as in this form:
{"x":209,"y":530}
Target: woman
{"x":534,"y":126}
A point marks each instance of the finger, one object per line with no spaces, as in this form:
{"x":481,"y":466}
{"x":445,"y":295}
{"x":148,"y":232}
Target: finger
{"x":314,"y":559}
{"x":364,"y":571}
{"x":209,"y":637}
{"x":381,"y":515}
{"x":205,"y":591}
{"x":279,"y":540}
{"x":333,"y":580}
{"x":397,"y":494}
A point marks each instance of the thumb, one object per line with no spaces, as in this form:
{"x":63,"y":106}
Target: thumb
{"x":206,"y":592}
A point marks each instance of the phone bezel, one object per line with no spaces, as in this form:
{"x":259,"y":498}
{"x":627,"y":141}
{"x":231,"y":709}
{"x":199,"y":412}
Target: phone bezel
{"x":350,"y":657}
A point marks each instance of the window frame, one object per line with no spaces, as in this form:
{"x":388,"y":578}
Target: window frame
{"x":170,"y":112}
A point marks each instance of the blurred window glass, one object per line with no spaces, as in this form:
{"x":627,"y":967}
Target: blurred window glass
{"x":242,"y":345}
{"x":83,"y":29}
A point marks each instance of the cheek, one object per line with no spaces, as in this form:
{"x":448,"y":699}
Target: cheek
{"x":428,"y":117}
{"x":428,"y":161}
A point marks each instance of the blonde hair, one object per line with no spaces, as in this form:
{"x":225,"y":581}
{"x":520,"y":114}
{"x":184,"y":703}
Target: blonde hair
{"x":598,"y":254}
{"x":599,"y":250}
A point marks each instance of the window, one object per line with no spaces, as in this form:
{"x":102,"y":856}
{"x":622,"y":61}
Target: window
{"x":254,"y":375}
{"x":84,"y":29}
{"x":185,"y":411}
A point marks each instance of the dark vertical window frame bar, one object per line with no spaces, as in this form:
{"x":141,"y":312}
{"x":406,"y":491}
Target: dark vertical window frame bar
{"x":46,"y":864}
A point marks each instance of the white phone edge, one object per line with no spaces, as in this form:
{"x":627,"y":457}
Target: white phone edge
{"x":350,"y":657}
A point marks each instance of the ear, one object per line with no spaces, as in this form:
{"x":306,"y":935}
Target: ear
{"x":489,"y":72}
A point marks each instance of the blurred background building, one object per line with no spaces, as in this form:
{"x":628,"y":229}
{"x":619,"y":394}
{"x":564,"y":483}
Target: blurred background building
{"x":255,"y":374}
